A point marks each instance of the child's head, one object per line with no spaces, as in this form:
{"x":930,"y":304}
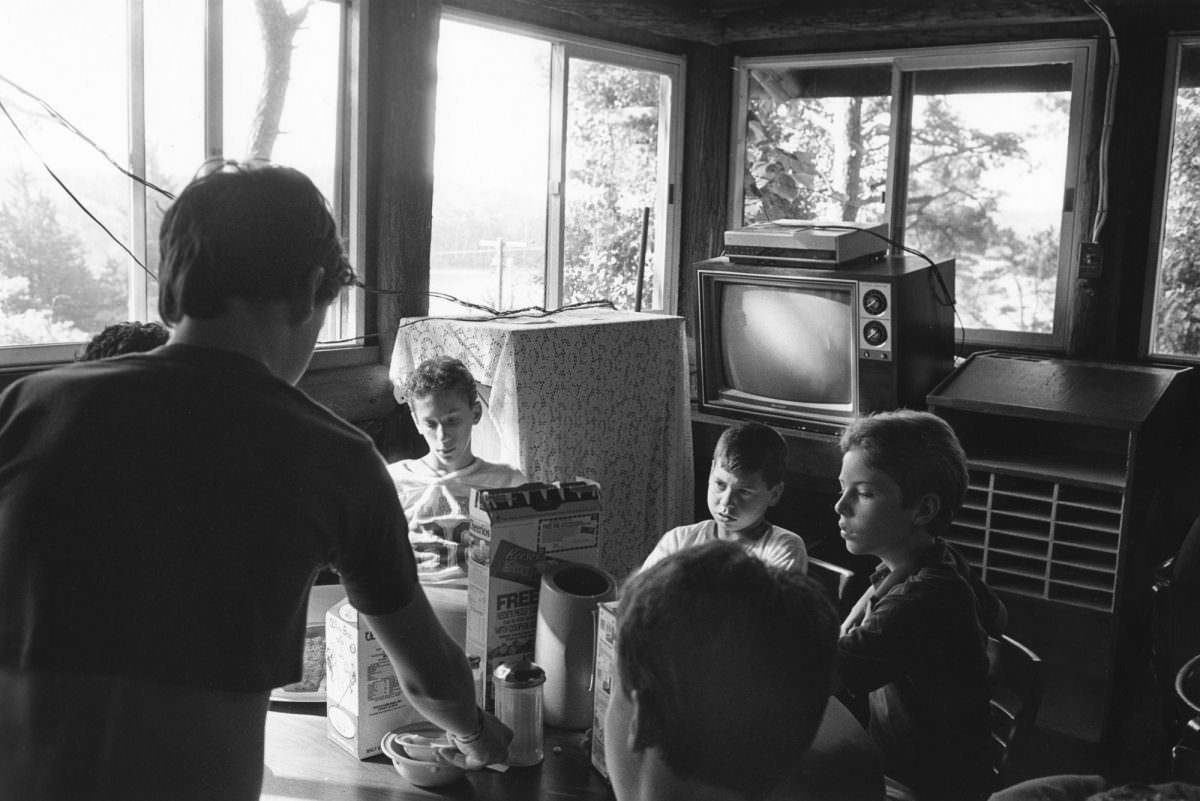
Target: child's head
{"x":121,"y":338}
{"x":903,"y":471}
{"x":255,"y":233}
{"x":746,"y":476}
{"x":445,"y":406}
{"x":706,"y":679}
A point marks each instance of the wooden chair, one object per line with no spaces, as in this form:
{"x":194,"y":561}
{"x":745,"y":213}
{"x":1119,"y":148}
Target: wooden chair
{"x":1175,"y":636}
{"x":1185,"y":755}
{"x":1016,"y":680}
{"x":836,"y":580}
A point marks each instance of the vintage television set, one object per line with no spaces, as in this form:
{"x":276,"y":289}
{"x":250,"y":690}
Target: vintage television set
{"x":810,"y":348}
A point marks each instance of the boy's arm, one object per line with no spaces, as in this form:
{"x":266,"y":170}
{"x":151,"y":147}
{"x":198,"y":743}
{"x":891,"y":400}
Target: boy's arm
{"x":786,"y":550}
{"x":667,"y":545}
{"x":874,"y":652}
{"x":436,"y":678}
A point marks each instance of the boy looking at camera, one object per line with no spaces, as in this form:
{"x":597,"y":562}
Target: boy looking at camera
{"x":917,"y":639}
{"x":744,"y":481}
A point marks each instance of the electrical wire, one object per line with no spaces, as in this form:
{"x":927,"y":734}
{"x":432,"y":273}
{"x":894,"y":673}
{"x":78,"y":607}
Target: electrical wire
{"x":63,"y":121}
{"x":1114,"y":66}
{"x":941,"y":292}
{"x":70,"y":194}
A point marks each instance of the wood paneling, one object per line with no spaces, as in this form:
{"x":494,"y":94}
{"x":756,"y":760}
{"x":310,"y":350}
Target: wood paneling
{"x":400,"y":137}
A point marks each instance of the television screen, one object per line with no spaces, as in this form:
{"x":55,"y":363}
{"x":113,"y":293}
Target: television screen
{"x":793,"y":344}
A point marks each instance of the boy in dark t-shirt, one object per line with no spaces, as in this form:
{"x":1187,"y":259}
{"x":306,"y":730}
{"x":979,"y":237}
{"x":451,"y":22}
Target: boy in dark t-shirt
{"x":917,"y":639}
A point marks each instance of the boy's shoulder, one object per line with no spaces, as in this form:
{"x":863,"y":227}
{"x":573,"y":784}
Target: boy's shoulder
{"x":494,"y":474}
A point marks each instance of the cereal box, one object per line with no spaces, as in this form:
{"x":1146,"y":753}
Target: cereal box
{"x":363,"y":699}
{"x":606,"y":638}
{"x":514,"y":531}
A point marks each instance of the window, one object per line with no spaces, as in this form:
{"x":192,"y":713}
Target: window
{"x":968,"y":153}
{"x":130,"y":91}
{"x":554,"y":163}
{"x":1174,"y":319}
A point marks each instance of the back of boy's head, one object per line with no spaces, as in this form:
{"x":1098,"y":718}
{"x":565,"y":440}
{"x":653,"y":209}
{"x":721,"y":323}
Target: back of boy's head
{"x":248,"y":232}
{"x":919,"y":451}
{"x":732,"y":661}
{"x":752,"y":448}
{"x":441,"y":374}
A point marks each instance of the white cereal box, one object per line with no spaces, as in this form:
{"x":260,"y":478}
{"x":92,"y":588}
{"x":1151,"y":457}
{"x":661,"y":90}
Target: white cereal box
{"x":363,"y":699}
{"x":513,"y":532}
{"x":606,"y":638}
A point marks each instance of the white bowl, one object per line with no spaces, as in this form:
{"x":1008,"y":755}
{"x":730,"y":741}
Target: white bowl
{"x":419,"y":772}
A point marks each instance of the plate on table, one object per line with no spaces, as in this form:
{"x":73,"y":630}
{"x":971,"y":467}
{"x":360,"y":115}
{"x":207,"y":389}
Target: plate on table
{"x":299,"y":696}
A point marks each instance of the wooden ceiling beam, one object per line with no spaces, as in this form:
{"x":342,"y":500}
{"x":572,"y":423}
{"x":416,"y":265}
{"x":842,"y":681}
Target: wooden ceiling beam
{"x":728,"y":21}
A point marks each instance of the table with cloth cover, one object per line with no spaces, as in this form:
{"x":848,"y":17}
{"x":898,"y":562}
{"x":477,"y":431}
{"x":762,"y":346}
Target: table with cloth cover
{"x":591,"y":393}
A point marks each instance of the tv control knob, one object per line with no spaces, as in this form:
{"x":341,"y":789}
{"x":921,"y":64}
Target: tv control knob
{"x":875,"y":333}
{"x":874,"y":302}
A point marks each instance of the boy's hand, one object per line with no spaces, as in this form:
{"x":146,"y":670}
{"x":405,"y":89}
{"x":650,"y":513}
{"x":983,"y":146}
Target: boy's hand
{"x":486,"y":746}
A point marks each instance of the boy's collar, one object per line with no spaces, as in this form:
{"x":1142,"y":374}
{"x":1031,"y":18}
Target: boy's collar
{"x":884,"y":578}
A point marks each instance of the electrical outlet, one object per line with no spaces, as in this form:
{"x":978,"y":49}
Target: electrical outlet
{"x":1091,"y":260}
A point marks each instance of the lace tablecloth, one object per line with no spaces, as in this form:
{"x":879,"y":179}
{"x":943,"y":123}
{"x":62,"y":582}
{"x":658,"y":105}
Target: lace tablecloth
{"x":590,"y":393}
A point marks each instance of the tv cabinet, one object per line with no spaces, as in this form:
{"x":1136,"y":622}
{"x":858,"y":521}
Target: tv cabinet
{"x":1064,"y":457}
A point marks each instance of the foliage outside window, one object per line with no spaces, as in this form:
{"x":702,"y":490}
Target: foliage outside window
{"x":1174,"y":330}
{"x":550,"y":154}
{"x":130,"y":77}
{"x":968,"y":154}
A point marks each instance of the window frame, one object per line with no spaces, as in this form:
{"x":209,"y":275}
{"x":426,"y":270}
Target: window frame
{"x":906,"y":64}
{"x":1176,"y":44}
{"x":349,"y":186}
{"x":564,"y":48}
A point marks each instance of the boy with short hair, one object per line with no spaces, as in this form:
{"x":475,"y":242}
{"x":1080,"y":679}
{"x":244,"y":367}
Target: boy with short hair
{"x":435,"y":490}
{"x":708,"y":699}
{"x":253,"y":489}
{"x":917,"y":639}
{"x":744,"y":481}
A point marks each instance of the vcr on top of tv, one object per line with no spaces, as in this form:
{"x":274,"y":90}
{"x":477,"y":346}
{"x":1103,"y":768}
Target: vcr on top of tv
{"x":811,"y":243}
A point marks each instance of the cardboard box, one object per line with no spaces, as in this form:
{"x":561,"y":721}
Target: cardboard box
{"x":606,"y":639}
{"x":513,"y":532}
{"x":363,"y":699}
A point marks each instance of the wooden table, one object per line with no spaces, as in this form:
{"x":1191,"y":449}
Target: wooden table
{"x":301,"y":764}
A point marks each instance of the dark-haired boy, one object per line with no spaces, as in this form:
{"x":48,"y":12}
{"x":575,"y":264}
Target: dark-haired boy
{"x":917,"y":639}
{"x":744,"y":481}
{"x":710,"y":699}
{"x":121,"y":338}
{"x":253,"y":489}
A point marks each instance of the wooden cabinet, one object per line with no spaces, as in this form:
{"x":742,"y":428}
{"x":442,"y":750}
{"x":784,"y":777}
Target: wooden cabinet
{"x":1064,"y":457}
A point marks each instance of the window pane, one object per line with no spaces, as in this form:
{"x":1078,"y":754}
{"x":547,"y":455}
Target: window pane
{"x":280,"y":85}
{"x":817,"y":144}
{"x":987,"y":167}
{"x":288,"y":112}
{"x":61,"y":277}
{"x":1176,"y":328}
{"x":615,"y":167}
{"x":174,"y":113}
{"x":490,"y":168}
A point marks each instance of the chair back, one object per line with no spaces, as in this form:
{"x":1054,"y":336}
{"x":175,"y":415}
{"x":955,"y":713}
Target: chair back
{"x":836,"y":581}
{"x":1016,"y":681}
{"x":1185,"y":756}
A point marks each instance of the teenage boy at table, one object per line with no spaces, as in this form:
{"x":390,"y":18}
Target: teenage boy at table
{"x":744,"y":481}
{"x":155,"y":685}
{"x":435,"y":490}
{"x":723,"y":671}
{"x":917,"y":639}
